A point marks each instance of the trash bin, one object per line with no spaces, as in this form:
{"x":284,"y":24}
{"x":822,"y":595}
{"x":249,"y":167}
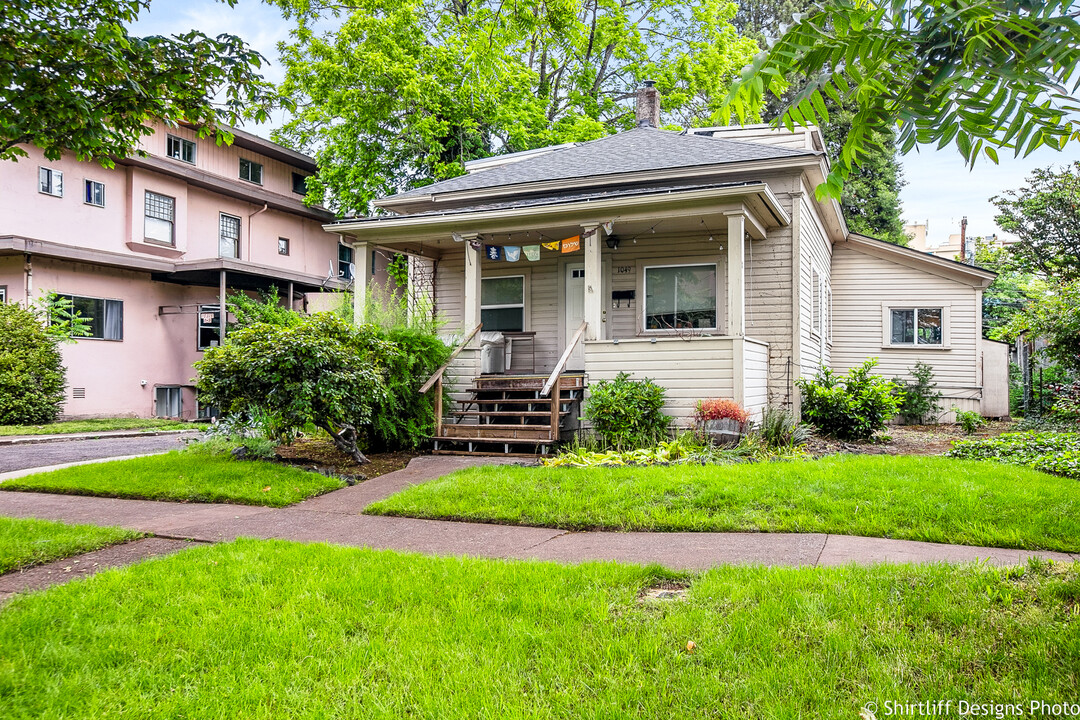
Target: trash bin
{"x":492,"y":353}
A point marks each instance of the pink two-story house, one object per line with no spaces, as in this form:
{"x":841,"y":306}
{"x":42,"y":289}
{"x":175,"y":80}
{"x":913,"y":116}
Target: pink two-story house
{"x":147,"y":250}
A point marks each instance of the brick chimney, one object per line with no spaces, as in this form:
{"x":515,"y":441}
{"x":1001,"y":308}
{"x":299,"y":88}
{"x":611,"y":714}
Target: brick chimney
{"x":648,"y":105}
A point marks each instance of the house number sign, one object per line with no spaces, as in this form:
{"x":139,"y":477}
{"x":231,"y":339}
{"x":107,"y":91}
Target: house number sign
{"x":624,"y":269}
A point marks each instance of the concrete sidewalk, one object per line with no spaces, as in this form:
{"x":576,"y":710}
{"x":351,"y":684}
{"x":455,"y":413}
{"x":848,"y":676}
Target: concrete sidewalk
{"x":334,"y":518}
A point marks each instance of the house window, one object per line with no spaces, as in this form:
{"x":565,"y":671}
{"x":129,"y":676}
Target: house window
{"x":282,"y":246}
{"x":680,"y":296}
{"x":251,"y":171}
{"x":167,"y":402}
{"x":502,"y":303}
{"x":50,"y":182}
{"x":228,"y":236}
{"x":917,"y":326}
{"x":3,"y":294}
{"x":209,"y":326}
{"x":817,"y":317}
{"x":345,"y":262}
{"x":105,"y":318}
{"x":299,"y":184}
{"x":180,"y":149}
{"x":159,"y":218}
{"x":94,"y":193}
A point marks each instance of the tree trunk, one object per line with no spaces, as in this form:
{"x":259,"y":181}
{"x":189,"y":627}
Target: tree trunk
{"x":345,"y":441}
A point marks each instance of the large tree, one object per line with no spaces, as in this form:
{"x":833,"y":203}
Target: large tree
{"x":73,"y":79}
{"x":1045,"y":215}
{"x":871,"y":196}
{"x":406,"y":91}
{"x":981,"y":74}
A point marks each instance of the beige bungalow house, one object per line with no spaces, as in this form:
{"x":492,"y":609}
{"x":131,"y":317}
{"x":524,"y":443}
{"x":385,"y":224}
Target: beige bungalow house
{"x":701,"y":260}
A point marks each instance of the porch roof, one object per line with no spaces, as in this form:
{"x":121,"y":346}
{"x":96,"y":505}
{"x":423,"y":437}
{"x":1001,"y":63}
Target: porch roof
{"x":595,"y":206}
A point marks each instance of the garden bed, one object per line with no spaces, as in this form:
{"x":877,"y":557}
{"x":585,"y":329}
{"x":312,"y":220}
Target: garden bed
{"x":277,"y":629}
{"x":907,"y":440}
{"x":915,"y":498}
{"x":320,"y":455}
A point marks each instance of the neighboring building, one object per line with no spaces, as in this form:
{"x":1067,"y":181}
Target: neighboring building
{"x":957,"y":244}
{"x":147,"y":249}
{"x":701,"y":260}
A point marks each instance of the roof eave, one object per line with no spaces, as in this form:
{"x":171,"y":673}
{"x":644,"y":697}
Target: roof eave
{"x":976,"y":276}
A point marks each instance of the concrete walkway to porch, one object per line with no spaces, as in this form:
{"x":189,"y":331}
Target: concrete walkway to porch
{"x":336,"y":518}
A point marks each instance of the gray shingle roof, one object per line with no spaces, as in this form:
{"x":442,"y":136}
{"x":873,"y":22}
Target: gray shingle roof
{"x":637,"y":150}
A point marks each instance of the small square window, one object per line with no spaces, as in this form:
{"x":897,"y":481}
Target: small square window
{"x":51,"y":182}
{"x":299,"y":184}
{"x":251,"y":171}
{"x":3,"y":294}
{"x":180,"y":149}
{"x":283,"y":246}
{"x":94,"y":194}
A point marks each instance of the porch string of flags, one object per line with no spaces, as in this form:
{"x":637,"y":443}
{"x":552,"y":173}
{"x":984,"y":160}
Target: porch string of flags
{"x":514,"y":253}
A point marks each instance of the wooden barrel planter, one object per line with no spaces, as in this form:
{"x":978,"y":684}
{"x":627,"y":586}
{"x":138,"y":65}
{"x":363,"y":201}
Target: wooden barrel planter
{"x":724,"y":432}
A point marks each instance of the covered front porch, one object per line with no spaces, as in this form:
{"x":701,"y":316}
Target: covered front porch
{"x":654,"y":285}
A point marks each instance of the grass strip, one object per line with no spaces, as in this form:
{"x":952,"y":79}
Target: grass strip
{"x":183,"y":477}
{"x":92,"y":426}
{"x":258,"y":629}
{"x":29,"y":542}
{"x":915,"y":498}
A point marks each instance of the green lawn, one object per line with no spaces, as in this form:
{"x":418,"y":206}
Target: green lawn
{"x":184,"y":477}
{"x":91,"y":426}
{"x":24,"y":543}
{"x":916,"y":498}
{"x":256,"y":629}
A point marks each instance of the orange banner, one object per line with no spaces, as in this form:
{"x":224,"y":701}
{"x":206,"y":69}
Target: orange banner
{"x":571,"y":244}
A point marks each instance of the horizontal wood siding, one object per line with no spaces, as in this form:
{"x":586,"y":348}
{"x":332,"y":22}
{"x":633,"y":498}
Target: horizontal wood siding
{"x":864,"y":284}
{"x":755,"y":376}
{"x":816,"y":252}
{"x":689,"y":369}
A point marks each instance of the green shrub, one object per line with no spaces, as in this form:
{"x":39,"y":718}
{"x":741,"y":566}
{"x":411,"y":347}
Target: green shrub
{"x":921,"y":397}
{"x":256,"y":448}
{"x":781,"y":430}
{"x":32,"y":376}
{"x":1052,"y":452}
{"x":969,"y":420}
{"x":852,"y":406}
{"x":627,"y":414}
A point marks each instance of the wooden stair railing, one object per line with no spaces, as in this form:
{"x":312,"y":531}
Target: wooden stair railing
{"x":435,"y":381}
{"x":553,"y":378}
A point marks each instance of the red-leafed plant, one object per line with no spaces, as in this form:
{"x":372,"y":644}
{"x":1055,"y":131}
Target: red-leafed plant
{"x":720,"y":409}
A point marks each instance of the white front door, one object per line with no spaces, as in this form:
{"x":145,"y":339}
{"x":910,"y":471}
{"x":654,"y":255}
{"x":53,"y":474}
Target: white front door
{"x":574,"y":309}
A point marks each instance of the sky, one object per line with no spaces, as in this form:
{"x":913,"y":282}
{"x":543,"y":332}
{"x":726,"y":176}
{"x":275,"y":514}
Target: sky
{"x":940,"y":188}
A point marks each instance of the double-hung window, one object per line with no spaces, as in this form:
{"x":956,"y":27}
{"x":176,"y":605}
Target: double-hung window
{"x":228,"y":236}
{"x":680,"y":297}
{"x":345,"y":262}
{"x":251,"y":171}
{"x":50,"y":182}
{"x":209,"y":326}
{"x":94,"y":193}
{"x":502,"y":303}
{"x":105,"y":318}
{"x":159,"y":218}
{"x":180,"y":149}
{"x":917,"y":326}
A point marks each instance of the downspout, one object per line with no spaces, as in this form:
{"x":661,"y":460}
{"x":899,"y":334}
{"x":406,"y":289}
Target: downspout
{"x":28,"y":283}
{"x":265,"y":207}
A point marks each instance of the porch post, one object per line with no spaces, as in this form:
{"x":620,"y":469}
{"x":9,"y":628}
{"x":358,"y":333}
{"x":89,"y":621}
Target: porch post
{"x":736,"y":274}
{"x":593,"y":236}
{"x":221,"y":307}
{"x":472,"y":286}
{"x":361,"y":278}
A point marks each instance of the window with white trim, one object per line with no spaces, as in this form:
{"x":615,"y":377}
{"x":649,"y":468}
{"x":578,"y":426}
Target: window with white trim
{"x":251,"y":171}
{"x":50,"y":182}
{"x":209,"y":326}
{"x":159,"y":218}
{"x":502,"y":303}
{"x":345,"y":262}
{"x":180,"y":149}
{"x":94,"y":193}
{"x":228,"y":236}
{"x":917,"y":326}
{"x":680,"y":297}
{"x":817,"y":297}
{"x":104,"y":318}
{"x":3,"y":294}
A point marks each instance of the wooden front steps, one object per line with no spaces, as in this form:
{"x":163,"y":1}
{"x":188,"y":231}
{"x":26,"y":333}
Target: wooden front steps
{"x":506,"y":414}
